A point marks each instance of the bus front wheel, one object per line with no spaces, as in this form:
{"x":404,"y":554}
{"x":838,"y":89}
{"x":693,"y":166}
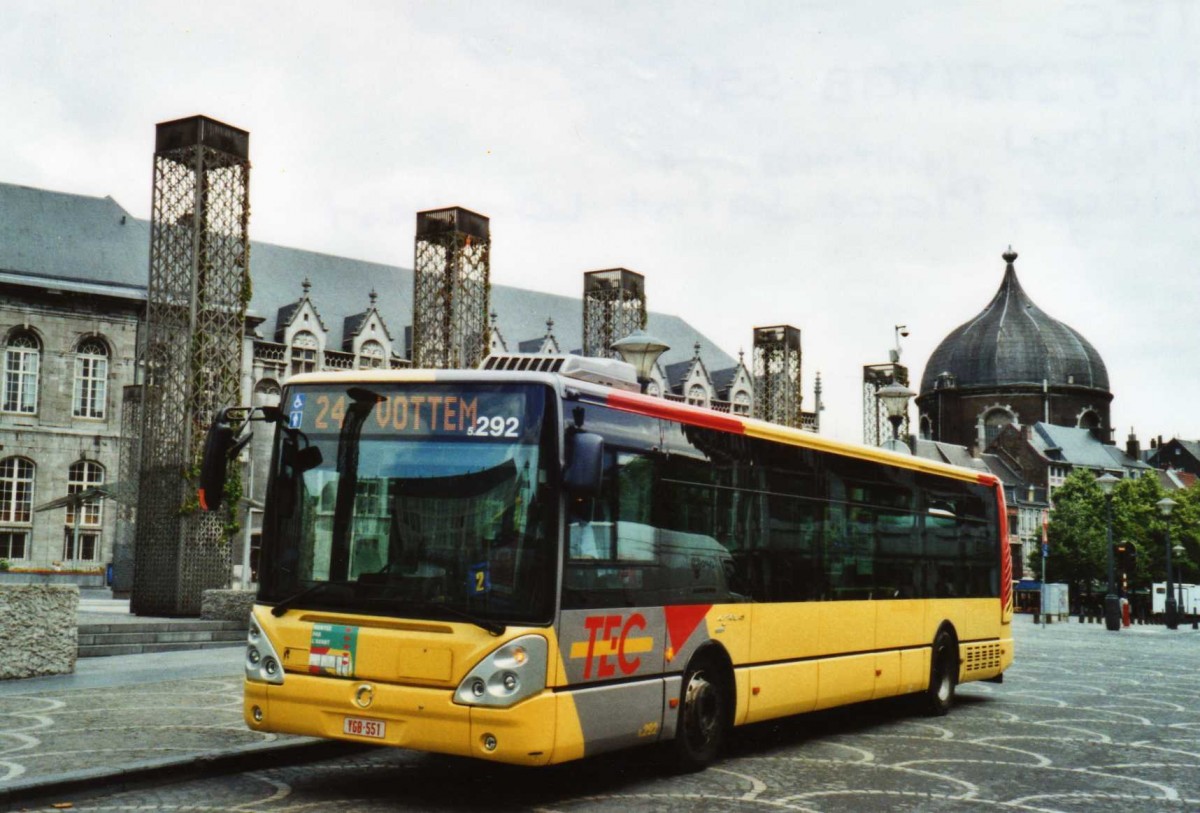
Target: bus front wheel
{"x":943,"y":675}
{"x":704,"y":712}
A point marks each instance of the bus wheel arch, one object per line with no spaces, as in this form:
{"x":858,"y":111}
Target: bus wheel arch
{"x":707,"y":700}
{"x":943,"y":671}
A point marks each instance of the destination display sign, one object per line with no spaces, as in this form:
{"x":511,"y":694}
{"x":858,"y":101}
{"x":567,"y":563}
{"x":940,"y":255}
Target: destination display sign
{"x":427,"y":411}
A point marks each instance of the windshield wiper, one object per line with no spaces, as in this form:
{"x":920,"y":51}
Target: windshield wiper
{"x":286,"y":604}
{"x":491,"y":627}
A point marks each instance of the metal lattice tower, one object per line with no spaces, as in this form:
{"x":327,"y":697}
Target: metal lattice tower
{"x":196,"y":303}
{"x":451,"y":289}
{"x":614,"y":305}
{"x":777,"y":359}
{"x":876,"y":426}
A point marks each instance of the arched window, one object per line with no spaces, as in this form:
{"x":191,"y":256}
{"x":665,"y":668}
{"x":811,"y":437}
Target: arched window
{"x":1089,"y":420}
{"x":926,"y":428}
{"x":266,"y":393}
{"x":91,"y":379}
{"x":741,"y":402}
{"x":697,"y":395}
{"x":371,"y":356}
{"x":304,"y":352}
{"x":994,"y":422}
{"x":16,"y":507}
{"x":22,"y":357}
{"x":81,"y":536}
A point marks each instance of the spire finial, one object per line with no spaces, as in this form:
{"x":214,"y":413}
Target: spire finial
{"x":372,"y":296}
{"x":306,"y":286}
{"x":494,"y":317}
{"x":1009,"y":256}
{"x":696,"y":348}
{"x":549,"y":326}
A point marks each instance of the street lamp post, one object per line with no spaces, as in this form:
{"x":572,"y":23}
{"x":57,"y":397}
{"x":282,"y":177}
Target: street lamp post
{"x":641,"y":350}
{"x":1165,"y":506}
{"x":1112,"y":604}
{"x":1180,"y":604}
{"x":895,"y":402}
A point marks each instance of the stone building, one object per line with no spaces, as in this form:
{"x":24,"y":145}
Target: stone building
{"x":1012,"y":364}
{"x":70,"y":343}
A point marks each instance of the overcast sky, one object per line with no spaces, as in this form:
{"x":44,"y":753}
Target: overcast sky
{"x":838,"y":166}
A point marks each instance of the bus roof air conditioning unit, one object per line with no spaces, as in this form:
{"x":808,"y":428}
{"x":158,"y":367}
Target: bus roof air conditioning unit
{"x":606,"y":372}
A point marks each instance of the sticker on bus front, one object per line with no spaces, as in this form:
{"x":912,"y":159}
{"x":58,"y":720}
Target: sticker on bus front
{"x":331,"y":650}
{"x":296,"y":416}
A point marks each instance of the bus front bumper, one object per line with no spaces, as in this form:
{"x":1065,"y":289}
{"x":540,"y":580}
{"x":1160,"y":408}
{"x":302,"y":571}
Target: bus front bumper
{"x":413,"y":717}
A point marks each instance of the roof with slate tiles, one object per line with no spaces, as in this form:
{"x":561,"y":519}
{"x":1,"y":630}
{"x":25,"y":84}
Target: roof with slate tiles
{"x":94,"y":242}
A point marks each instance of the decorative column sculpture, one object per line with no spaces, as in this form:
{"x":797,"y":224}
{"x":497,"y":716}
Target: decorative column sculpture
{"x":777,"y":360}
{"x":196,"y":302}
{"x":614,"y":306}
{"x":451,"y":289}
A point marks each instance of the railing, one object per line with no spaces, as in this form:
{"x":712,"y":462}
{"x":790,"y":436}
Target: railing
{"x":338,"y":360}
{"x":270,"y":352}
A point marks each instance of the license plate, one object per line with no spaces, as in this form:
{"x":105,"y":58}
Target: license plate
{"x":363,"y":728}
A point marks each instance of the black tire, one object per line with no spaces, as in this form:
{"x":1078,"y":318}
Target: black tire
{"x":943,"y":675}
{"x":705,"y":709}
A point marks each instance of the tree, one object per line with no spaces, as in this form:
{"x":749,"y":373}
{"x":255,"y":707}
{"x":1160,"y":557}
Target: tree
{"x":1078,"y":533}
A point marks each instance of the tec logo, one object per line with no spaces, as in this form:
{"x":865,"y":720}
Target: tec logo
{"x":611,"y":641}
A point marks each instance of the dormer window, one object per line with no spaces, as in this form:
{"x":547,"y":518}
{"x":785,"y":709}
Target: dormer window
{"x":371,"y":356}
{"x":741,"y":402}
{"x":304,"y":352}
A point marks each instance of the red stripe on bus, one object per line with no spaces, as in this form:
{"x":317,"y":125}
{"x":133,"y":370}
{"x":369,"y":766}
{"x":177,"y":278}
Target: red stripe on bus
{"x":668,"y":410}
{"x":1006,"y":564}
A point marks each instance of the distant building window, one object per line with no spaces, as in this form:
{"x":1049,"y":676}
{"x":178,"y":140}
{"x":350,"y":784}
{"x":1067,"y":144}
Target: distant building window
{"x":652,"y":389}
{"x":91,"y":379}
{"x":741,"y":402}
{"x":304,"y":353}
{"x":13,"y":544}
{"x":697,"y":395}
{"x":371,"y":356}
{"x":993,"y":424}
{"x":16,"y":507}
{"x":80,"y":545}
{"x":16,"y":490}
{"x":22,"y":357}
{"x":81,"y":476}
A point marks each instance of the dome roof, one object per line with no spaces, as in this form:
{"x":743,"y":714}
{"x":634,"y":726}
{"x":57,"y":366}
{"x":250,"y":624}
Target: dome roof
{"x":1013,"y":341}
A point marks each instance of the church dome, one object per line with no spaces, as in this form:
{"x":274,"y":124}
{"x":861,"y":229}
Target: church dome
{"x":1013,"y":342}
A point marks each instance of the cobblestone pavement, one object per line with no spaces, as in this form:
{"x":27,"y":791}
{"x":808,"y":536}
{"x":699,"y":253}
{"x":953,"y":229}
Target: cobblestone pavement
{"x":1085,"y":720}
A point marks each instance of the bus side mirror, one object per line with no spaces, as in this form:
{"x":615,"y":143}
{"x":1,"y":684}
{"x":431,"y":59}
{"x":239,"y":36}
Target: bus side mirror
{"x":585,"y":464}
{"x":220,"y":446}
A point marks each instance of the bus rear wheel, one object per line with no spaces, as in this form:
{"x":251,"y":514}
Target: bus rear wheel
{"x":704,"y":713}
{"x":943,"y":675}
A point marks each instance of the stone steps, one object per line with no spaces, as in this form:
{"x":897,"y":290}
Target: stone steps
{"x":99,"y":640}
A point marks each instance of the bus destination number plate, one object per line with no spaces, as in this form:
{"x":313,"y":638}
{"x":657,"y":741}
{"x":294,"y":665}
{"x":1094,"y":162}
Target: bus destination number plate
{"x":363,"y":728}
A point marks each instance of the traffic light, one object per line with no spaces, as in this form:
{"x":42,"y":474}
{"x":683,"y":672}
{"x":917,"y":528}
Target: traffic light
{"x":1125,"y":555}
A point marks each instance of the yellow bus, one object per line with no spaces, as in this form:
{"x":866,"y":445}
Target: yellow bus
{"x":536,"y":563}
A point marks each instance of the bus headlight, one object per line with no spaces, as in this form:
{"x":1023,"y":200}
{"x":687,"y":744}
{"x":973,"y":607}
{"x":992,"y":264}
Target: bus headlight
{"x":507,"y":676}
{"x":262,"y":663}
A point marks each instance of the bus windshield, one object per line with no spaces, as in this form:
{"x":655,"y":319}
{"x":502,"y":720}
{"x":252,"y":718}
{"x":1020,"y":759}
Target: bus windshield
{"x":412,"y":499}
